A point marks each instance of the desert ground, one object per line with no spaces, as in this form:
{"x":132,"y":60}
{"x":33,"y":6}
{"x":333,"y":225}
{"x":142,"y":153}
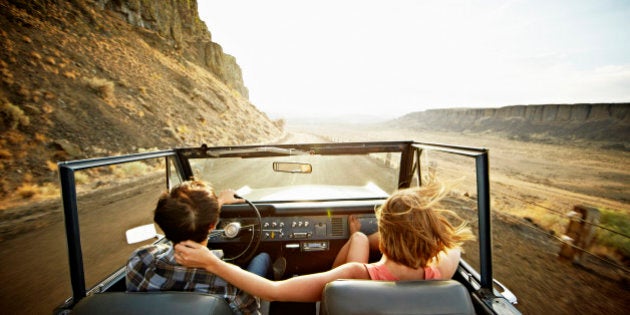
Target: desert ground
{"x":530,"y":180}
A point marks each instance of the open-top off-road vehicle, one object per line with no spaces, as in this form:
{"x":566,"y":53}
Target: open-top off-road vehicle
{"x":299,"y":199}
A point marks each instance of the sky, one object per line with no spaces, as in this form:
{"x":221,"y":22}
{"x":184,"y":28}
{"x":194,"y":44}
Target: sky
{"x":388,"y":58}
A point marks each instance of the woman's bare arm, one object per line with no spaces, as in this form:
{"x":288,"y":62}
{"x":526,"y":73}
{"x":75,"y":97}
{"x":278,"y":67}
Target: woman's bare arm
{"x":307,"y":288}
{"x":448,"y":262}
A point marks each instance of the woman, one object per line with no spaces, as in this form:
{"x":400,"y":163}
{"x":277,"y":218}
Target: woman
{"x":416,"y":239}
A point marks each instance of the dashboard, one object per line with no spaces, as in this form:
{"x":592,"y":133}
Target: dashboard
{"x":301,"y":227}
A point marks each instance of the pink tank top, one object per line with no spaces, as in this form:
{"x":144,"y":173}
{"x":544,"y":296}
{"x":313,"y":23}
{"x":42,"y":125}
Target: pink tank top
{"x":380,"y":272}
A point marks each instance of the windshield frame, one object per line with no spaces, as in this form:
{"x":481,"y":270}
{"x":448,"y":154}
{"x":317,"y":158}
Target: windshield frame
{"x":338,"y":148}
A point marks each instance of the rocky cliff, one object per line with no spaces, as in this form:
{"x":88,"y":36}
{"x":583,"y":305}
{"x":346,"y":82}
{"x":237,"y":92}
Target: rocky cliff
{"x":178,"y":23}
{"x":600,"y":122}
{"x":87,"y":78}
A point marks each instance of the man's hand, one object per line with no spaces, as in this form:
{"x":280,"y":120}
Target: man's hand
{"x":228,"y":197}
{"x":192,"y":254}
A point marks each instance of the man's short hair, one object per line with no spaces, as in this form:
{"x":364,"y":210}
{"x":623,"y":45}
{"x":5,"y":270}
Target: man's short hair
{"x":187,"y":212}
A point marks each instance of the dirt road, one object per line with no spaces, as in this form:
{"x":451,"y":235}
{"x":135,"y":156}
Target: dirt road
{"x":35,"y":264}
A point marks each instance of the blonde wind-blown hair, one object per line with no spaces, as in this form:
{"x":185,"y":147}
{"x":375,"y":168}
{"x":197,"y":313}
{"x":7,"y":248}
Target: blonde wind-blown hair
{"x":413,"y":230}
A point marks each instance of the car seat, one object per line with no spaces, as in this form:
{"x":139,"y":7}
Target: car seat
{"x":167,"y":302}
{"x":347,"y":297}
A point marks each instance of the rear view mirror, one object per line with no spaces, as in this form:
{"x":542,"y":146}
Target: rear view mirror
{"x":292,"y":167}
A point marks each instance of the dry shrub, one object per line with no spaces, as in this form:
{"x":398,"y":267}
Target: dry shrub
{"x":48,"y":95}
{"x":51,"y":165}
{"x":13,"y":116}
{"x":610,"y":253}
{"x":27,"y":191}
{"x":5,"y":154}
{"x":70,"y":75}
{"x":614,"y":221}
{"x":47,"y":108}
{"x":7,"y":76}
{"x":28,"y":177}
{"x":30,"y":191}
{"x":39,"y":137}
{"x":50,"y":69}
{"x":50,"y":190}
{"x":103,"y":87}
{"x":14,"y":137}
{"x":36,"y":55}
{"x":131,"y":169}
{"x":24,"y":92}
{"x":553,"y":222}
{"x":181,"y":129}
{"x":81,"y":178}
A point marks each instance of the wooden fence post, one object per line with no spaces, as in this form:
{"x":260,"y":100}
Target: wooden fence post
{"x":580,"y":232}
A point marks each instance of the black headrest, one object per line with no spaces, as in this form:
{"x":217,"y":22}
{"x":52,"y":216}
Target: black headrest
{"x":395,"y":297}
{"x":152,"y":303}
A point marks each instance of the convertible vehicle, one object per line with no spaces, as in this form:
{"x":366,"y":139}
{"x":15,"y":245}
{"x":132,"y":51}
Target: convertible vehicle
{"x":298,"y":200}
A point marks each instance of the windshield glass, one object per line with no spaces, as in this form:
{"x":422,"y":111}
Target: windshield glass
{"x":303,"y":177}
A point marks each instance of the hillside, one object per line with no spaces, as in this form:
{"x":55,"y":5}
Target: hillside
{"x":607,"y":124}
{"x":92,"y":78}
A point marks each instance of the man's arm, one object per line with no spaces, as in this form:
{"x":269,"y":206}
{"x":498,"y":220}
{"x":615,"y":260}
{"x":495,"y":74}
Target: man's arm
{"x":228,"y":197}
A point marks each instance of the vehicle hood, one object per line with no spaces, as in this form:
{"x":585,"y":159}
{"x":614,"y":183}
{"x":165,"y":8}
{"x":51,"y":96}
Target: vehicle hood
{"x":312,"y":192}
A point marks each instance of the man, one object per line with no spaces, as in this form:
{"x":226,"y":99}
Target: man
{"x":189,"y":212}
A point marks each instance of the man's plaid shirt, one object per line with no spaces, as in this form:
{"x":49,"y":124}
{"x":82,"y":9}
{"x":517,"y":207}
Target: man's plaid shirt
{"x":153,"y":268}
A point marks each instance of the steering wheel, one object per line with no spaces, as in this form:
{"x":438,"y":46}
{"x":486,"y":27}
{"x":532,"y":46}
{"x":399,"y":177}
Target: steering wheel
{"x":249,"y":251}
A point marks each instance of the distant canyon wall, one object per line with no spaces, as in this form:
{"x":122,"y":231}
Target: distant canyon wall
{"x":609,"y":122}
{"x":178,"y":21}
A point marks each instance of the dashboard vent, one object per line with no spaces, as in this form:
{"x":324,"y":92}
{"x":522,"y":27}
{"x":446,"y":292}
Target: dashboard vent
{"x":337,"y":226}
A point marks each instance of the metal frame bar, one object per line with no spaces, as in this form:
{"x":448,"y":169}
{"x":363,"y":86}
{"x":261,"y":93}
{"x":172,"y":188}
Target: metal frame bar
{"x":71,"y":214}
{"x":71,"y":219}
{"x":483,"y":203}
{"x":483,"y":211}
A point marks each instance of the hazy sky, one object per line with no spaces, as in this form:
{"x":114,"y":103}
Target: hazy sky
{"x":389,"y":58}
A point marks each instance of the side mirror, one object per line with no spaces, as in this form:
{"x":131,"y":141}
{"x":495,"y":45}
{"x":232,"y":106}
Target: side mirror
{"x":141,"y":233}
